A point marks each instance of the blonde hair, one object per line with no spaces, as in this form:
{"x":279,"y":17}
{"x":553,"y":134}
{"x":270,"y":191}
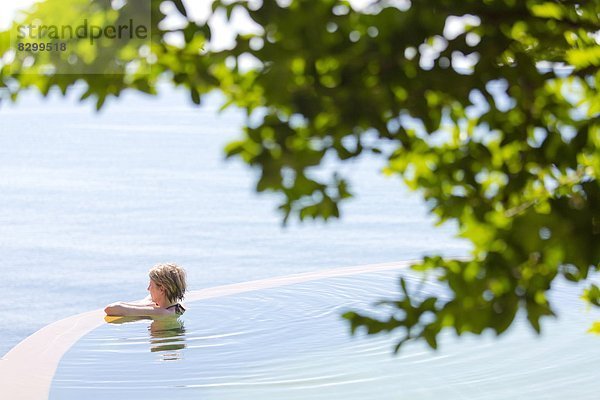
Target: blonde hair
{"x":171,"y":277}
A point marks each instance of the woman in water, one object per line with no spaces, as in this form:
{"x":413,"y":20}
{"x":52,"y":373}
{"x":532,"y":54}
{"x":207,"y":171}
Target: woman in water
{"x":167,"y":287}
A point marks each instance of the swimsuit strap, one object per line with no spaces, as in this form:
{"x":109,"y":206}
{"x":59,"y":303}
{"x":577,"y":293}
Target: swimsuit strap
{"x":179,"y":309}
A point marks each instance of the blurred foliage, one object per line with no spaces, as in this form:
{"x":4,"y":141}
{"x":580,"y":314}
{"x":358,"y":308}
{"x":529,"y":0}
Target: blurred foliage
{"x":489,"y":109}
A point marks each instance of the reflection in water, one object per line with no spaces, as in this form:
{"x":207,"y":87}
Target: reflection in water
{"x":167,"y":335}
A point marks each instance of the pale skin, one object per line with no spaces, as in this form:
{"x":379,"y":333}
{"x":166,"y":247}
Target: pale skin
{"x":154,"y":305}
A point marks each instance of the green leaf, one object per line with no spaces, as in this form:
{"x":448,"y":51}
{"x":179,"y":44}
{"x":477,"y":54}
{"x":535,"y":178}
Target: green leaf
{"x":195,"y":95}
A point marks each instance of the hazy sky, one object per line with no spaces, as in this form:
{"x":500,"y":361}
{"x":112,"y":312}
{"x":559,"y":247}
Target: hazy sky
{"x":8,"y":9}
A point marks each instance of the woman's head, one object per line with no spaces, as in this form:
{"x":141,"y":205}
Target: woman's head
{"x":170,"y":279}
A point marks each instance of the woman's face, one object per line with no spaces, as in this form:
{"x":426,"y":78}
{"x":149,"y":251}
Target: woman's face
{"x":156,"y":292}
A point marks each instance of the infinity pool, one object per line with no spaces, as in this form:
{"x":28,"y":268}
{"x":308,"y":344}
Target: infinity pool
{"x":290,"y":343}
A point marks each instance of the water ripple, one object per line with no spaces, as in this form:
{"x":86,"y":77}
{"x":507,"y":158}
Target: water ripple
{"x":290,"y":342}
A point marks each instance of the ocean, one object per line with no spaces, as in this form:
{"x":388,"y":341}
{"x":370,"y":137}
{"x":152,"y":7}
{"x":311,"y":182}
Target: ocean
{"x":89,"y":201}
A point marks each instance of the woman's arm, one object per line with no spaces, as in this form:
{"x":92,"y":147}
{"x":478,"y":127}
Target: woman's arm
{"x":146,"y":301}
{"x":131,"y":310}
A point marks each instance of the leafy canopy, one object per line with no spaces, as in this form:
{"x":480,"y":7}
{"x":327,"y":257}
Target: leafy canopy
{"x":489,"y":109}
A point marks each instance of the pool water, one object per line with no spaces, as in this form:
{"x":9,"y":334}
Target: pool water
{"x":290,"y":343}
